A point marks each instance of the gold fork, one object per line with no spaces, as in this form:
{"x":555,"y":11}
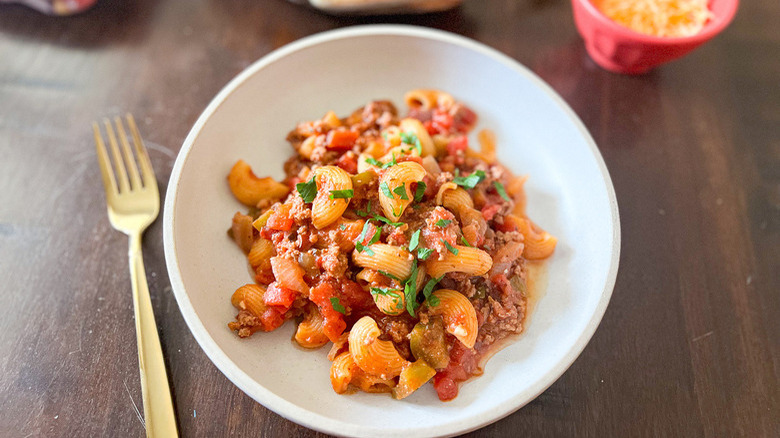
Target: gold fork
{"x":133,"y":204}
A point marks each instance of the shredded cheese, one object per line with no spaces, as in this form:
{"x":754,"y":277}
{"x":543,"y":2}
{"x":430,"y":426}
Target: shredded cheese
{"x":665,"y":18}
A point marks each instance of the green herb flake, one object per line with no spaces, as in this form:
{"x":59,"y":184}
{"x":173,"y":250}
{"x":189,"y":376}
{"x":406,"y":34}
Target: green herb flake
{"x":390,"y":163}
{"x":375,"y":238}
{"x":428,"y":290}
{"x":443,"y":222}
{"x":377,"y":163}
{"x":343,"y":227}
{"x":363,"y":248}
{"x":414,"y":240}
{"x":411,"y":138}
{"x":501,"y":191}
{"x":424,"y":253}
{"x":386,"y":291}
{"x":341,"y":194}
{"x":401,"y":192}
{"x":364,"y":213}
{"x":386,"y":190}
{"x":363,"y":233}
{"x":450,"y":248}
{"x":410,"y":290}
{"x":471,"y":181}
{"x":389,"y":275}
{"x":307,"y":190}
{"x":334,"y":301}
{"x":387,"y":221}
{"x":419,"y":191}
{"x":374,"y":162}
{"x":466,"y":242}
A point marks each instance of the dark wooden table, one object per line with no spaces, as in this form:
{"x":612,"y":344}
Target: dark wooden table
{"x":689,"y":346}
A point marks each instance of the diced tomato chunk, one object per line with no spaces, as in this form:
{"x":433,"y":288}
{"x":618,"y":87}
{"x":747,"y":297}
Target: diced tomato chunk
{"x":457,"y":144}
{"x":341,"y":139}
{"x":348,"y":162}
{"x":264,"y":275}
{"x":276,"y":295}
{"x":463,"y":364}
{"x":354,"y":296}
{"x":464,"y":118}
{"x":334,"y":324}
{"x":272,"y":318}
{"x":489,"y":211}
{"x":505,"y":226}
{"x":441,"y":121}
{"x":445,"y":387}
{"x":280,"y":219}
{"x":428,"y":125}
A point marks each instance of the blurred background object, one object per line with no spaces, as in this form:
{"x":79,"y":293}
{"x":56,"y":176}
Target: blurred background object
{"x":620,"y":49}
{"x":56,"y":7}
{"x":377,"y":7}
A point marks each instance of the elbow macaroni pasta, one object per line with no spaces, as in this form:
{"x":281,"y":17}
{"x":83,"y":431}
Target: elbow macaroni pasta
{"x":374,"y":356}
{"x":399,"y":178}
{"x":324,"y":209}
{"x":460,"y":318}
{"x":249,"y":189}
{"x":400,"y":245}
{"x":471,"y":261}
{"x":392,"y":259}
{"x":309,"y":333}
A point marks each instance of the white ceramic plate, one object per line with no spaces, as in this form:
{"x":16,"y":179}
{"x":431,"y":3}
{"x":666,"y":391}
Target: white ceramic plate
{"x":569,"y":191}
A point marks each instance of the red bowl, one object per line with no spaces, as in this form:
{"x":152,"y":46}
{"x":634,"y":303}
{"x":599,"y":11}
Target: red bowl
{"x":622,"y":50}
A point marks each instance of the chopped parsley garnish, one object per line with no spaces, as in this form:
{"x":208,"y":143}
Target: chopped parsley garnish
{"x":334,"y":301}
{"x":375,"y":237}
{"x":362,"y":236}
{"x":470,"y":181}
{"x":343,"y":227}
{"x":466,"y":242}
{"x":307,"y":190}
{"x":401,"y":192}
{"x":410,"y":290}
{"x":377,"y":163}
{"x":428,"y":290}
{"x":419,"y":191}
{"x":341,"y":194}
{"x":500,"y":190}
{"x":387,"y":221}
{"x":364,"y":213}
{"x":450,"y":248}
{"x":414,"y":240}
{"x":386,"y":291}
{"x":410,"y":138}
{"x":424,"y":253}
{"x":386,"y":190}
{"x":443,"y":222}
{"x":389,"y":275}
{"x":364,"y":248}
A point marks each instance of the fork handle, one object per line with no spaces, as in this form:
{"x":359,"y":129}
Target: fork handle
{"x":158,"y":406}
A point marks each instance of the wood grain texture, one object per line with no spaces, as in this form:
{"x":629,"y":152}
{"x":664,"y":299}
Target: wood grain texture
{"x":689,"y":346}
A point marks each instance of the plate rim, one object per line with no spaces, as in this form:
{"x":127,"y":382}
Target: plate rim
{"x":314,"y":420}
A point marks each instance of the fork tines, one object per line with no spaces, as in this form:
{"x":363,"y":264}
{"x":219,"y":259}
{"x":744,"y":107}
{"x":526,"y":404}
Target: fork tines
{"x":123,"y":164}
